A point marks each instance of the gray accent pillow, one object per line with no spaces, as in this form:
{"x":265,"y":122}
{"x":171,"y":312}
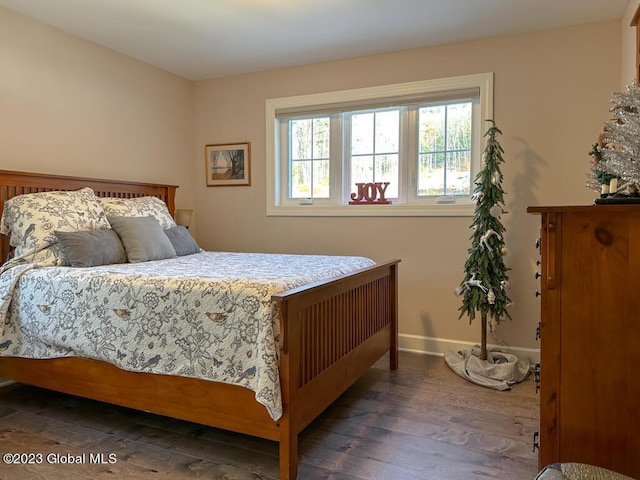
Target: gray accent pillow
{"x":143,"y":238}
{"x":182,"y":241}
{"x":92,"y":248}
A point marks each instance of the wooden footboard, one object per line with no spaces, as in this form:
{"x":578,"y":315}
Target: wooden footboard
{"x":331,"y":332}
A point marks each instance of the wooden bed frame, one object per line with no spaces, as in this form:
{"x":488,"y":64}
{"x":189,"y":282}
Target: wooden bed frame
{"x":331,"y":332}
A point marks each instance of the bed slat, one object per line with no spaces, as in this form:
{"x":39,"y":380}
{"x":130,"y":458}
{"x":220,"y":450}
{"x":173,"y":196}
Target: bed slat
{"x":343,"y":320}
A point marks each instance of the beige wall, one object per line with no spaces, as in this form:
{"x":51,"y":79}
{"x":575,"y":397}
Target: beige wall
{"x":68,"y":106}
{"x":71,"y":107}
{"x":551,"y":98}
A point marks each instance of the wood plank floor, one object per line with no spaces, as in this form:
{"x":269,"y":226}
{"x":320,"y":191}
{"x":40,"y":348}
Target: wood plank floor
{"x":422,"y":422}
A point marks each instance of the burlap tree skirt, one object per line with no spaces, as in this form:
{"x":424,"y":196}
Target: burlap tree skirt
{"x":500,"y":371}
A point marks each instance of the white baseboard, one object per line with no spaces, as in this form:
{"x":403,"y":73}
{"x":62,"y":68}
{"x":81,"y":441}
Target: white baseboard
{"x":437,"y":346}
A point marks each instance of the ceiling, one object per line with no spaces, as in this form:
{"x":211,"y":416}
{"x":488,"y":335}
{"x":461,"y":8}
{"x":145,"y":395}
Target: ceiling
{"x":201,"y":39}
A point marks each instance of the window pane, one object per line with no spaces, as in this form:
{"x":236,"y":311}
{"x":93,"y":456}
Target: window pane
{"x":321,"y":137}
{"x":431,"y":128}
{"x":431,"y":174}
{"x":459,"y":173}
{"x":362,"y":133}
{"x":301,"y":139}
{"x":361,"y":170}
{"x":301,"y":179}
{"x":387,"y":131}
{"x":459,"y":126}
{"x":387,"y":170}
{"x":321,"y":179}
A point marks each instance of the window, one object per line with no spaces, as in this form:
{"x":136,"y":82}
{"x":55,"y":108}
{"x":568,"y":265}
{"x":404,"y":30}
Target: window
{"x":423,"y":138}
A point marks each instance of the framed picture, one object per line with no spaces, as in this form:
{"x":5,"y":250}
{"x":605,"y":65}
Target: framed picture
{"x":228,"y":164}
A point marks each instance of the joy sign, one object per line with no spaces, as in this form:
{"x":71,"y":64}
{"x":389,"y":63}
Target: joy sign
{"x":370,"y":194}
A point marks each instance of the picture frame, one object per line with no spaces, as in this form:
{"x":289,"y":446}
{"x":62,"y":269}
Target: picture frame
{"x":228,"y":164}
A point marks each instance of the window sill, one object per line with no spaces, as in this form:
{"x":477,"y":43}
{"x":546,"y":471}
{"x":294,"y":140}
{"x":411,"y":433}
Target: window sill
{"x":397,"y":210}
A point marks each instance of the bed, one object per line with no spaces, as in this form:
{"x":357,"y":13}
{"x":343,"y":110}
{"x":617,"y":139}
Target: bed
{"x":330,"y":332}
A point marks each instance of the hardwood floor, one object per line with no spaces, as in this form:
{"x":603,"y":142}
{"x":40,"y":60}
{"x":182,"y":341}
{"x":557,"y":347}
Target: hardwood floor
{"x":422,"y":422}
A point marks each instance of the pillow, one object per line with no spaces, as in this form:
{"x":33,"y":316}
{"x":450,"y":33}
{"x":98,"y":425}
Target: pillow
{"x":92,"y":248}
{"x":143,"y":238}
{"x":138,"y":207}
{"x":32,"y":219}
{"x":183,"y":243}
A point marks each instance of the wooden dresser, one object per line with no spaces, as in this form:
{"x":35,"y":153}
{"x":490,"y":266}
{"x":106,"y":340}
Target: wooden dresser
{"x":590,"y":336}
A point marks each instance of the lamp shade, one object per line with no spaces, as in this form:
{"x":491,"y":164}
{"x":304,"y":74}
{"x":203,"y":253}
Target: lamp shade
{"x":183,"y":216}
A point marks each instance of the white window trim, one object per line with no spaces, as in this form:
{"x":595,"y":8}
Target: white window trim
{"x":483,"y":81}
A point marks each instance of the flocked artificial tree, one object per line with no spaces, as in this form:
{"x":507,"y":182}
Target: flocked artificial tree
{"x":484,"y":288}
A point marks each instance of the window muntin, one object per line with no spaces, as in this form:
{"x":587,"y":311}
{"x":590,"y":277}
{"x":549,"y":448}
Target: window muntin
{"x":361,"y":149}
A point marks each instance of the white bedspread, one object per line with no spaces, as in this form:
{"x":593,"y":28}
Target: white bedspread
{"x":207,"y":315}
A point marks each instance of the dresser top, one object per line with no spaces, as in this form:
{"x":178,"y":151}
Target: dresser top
{"x":630,"y":208}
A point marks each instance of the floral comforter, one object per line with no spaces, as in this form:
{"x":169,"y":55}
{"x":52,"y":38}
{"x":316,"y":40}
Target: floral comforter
{"x":207,"y":315}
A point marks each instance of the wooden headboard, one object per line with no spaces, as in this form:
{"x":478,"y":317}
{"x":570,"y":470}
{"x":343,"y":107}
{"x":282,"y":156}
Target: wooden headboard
{"x":18,"y":183}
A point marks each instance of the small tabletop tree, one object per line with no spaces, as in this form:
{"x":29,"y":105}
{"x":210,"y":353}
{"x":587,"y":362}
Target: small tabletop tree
{"x":619,"y":145}
{"x":484,"y":288}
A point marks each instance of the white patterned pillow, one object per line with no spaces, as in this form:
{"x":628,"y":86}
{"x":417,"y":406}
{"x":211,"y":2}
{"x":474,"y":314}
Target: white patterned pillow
{"x":32,"y":219}
{"x":138,"y":207}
